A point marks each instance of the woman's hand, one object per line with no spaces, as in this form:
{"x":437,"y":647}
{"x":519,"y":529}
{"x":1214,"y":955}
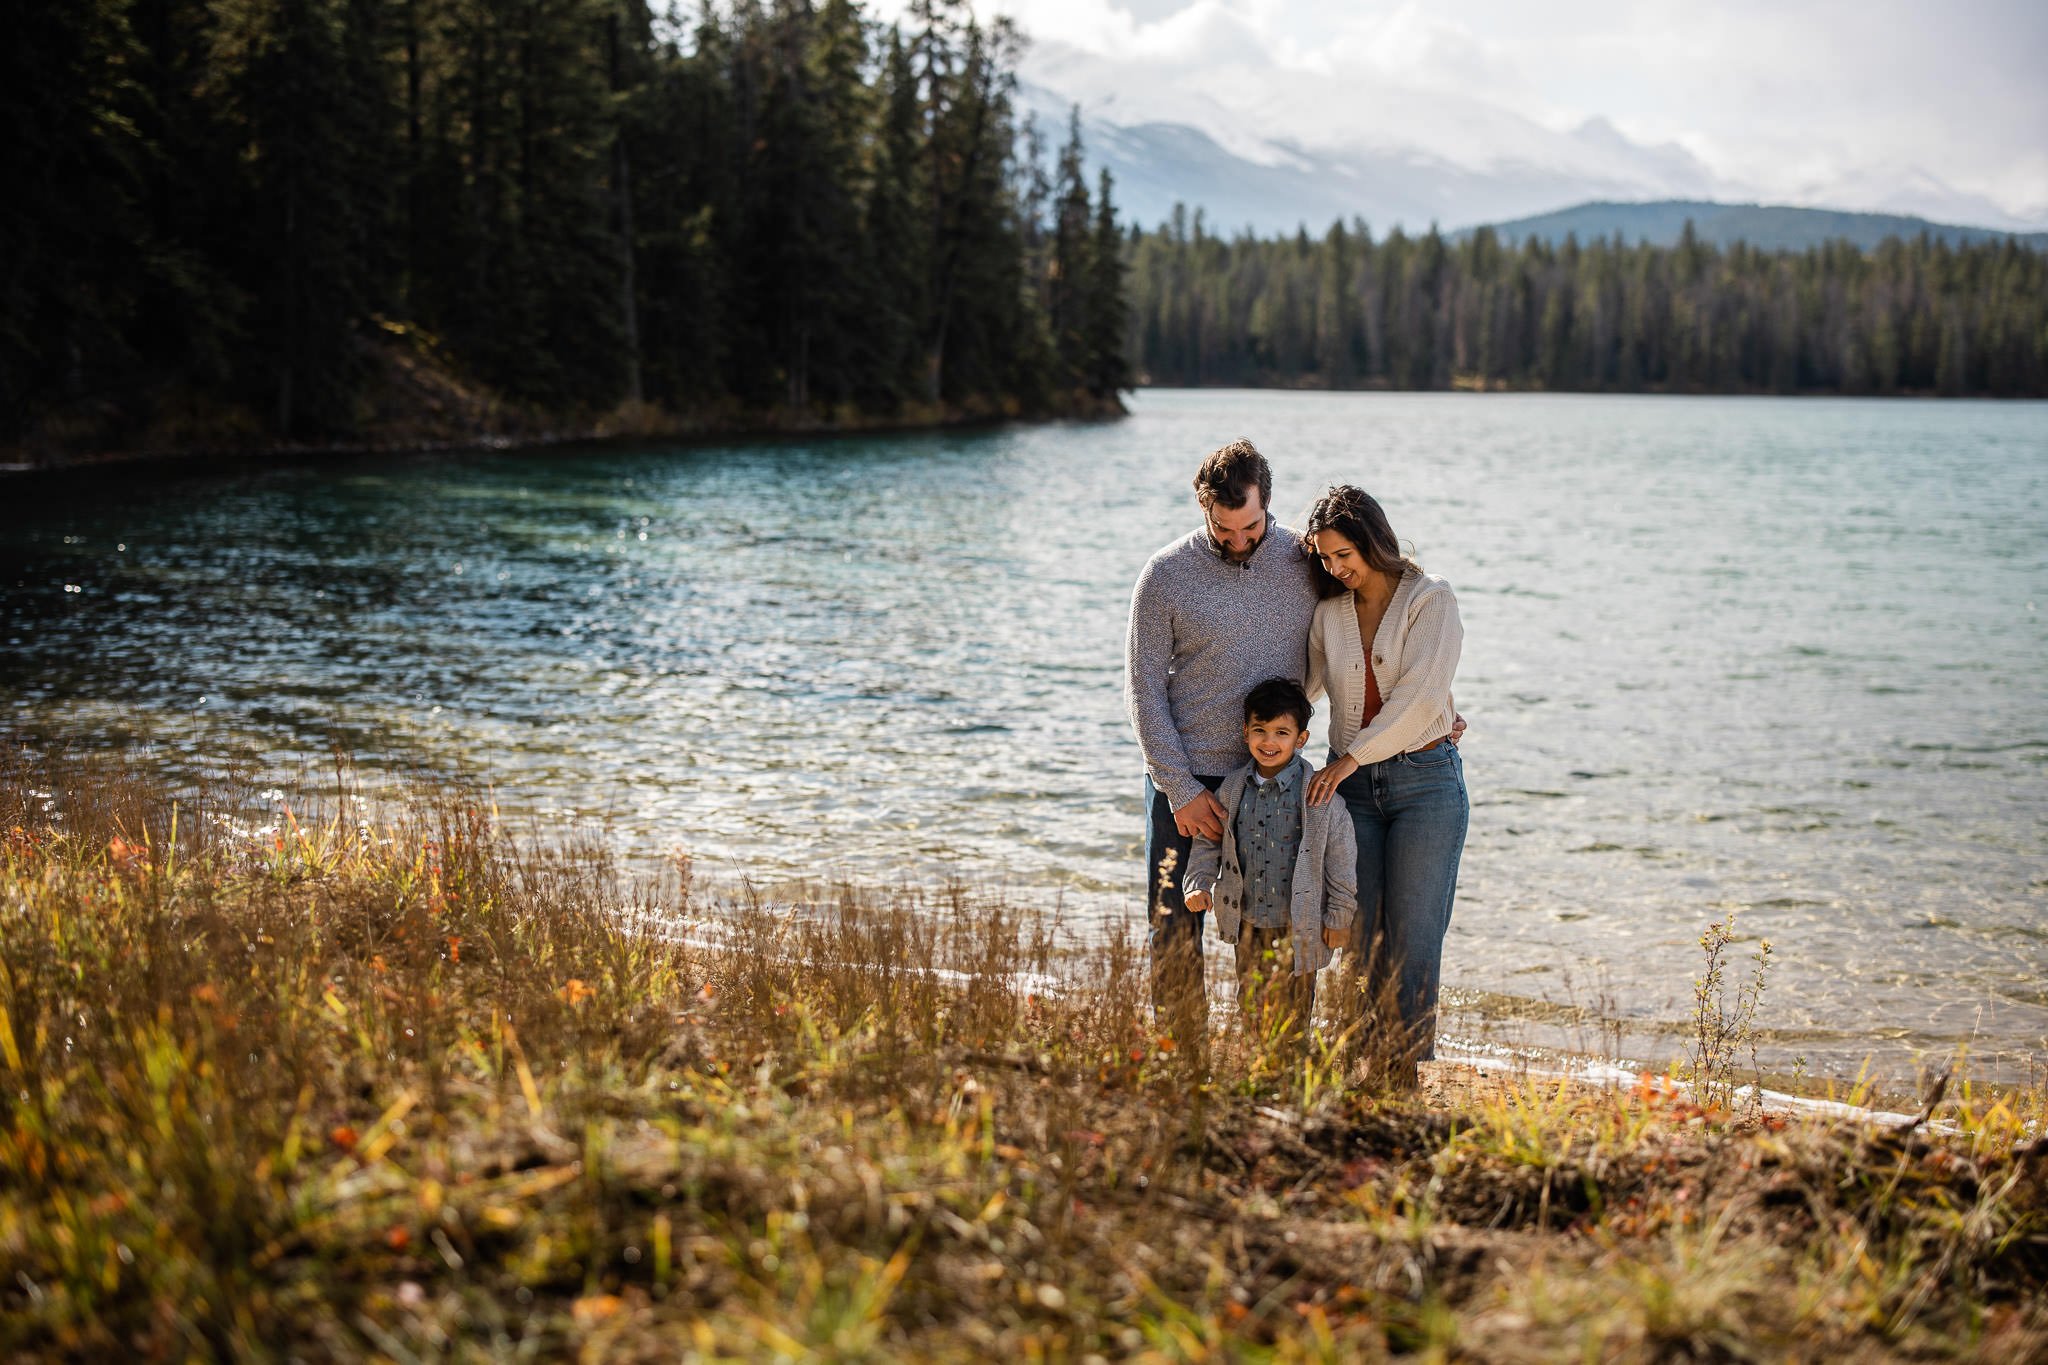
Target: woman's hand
{"x":1323,"y":785}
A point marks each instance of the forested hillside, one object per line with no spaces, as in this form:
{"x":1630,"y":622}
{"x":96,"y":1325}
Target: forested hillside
{"x":253,"y":218}
{"x":1773,"y":227}
{"x":1349,"y":311}
{"x":233,"y":222}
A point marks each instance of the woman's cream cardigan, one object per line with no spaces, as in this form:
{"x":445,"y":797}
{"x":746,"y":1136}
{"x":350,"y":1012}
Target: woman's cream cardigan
{"x":1414,"y":655}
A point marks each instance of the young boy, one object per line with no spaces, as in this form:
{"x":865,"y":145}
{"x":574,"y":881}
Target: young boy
{"x":1283,"y":880}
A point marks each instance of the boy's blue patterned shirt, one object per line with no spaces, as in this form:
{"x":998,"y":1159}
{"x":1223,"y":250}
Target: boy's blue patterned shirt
{"x":1268,"y":842}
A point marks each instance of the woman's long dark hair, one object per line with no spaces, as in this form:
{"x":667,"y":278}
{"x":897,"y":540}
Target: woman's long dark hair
{"x":1357,"y":516}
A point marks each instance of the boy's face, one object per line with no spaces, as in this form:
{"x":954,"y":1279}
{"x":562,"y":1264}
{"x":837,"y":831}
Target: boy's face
{"x":1274,"y":742}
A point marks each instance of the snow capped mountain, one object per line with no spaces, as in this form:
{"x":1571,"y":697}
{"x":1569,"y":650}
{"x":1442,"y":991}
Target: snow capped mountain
{"x":1272,"y":150}
{"x":1254,"y":145}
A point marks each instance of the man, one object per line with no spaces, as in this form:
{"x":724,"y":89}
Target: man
{"x":1215,"y":613}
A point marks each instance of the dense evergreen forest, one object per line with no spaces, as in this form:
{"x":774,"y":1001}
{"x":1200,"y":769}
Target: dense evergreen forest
{"x":1346,"y":311}
{"x":234,"y":221}
{"x":269,"y":216}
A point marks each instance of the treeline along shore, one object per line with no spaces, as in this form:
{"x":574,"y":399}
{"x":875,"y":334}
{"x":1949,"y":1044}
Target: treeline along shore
{"x":1348,"y":311}
{"x":318,"y":223}
{"x":401,"y":221}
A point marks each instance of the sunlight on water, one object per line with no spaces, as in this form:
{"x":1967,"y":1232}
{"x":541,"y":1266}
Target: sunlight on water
{"x":1778,"y":657}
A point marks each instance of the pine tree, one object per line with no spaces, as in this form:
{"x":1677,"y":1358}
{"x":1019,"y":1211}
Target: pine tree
{"x":1107,"y":371}
{"x":974,"y":301}
{"x":1336,"y":311}
{"x":682,"y":139}
{"x":306,"y":221}
{"x":897,"y":237}
{"x":74,"y":241}
{"x":1069,"y":283}
{"x":628,"y":35}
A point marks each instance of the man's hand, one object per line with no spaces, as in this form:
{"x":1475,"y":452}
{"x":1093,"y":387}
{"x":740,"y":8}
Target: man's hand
{"x":1200,"y":818}
{"x":1198,"y":902}
{"x":1336,"y":938}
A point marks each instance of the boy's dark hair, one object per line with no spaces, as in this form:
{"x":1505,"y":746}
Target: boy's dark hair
{"x":1230,"y":473}
{"x":1277,"y":697}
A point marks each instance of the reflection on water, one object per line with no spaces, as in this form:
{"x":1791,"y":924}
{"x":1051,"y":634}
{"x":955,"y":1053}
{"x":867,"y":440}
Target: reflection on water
{"x":1781,"y":657}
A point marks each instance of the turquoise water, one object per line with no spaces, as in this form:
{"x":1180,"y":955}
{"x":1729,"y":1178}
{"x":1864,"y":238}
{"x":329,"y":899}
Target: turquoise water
{"x":1784,"y":657}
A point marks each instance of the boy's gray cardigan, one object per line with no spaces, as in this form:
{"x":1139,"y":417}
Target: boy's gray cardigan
{"x":1325,"y":872}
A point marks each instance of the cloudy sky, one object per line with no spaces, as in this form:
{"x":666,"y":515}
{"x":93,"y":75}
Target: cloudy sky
{"x":1873,"y":104}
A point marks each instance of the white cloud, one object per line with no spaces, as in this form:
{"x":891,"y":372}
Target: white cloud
{"x":1887,"y":101}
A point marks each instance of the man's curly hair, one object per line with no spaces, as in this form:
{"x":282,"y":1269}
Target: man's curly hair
{"x":1229,"y":473}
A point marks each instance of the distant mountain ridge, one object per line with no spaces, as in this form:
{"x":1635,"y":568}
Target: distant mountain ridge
{"x":1273,"y":150}
{"x":1770,"y":227}
{"x":1269,"y":183}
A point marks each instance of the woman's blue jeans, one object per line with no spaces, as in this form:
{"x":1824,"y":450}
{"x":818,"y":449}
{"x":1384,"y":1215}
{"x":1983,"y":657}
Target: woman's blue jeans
{"x":1410,"y":814}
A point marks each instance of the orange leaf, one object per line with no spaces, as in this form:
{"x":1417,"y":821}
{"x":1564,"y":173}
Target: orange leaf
{"x":595,"y":1309}
{"x":343,"y":1137}
{"x":398,"y":1238}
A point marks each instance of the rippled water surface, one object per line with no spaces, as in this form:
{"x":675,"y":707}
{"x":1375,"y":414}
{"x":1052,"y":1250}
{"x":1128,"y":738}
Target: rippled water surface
{"x":1785,"y":657}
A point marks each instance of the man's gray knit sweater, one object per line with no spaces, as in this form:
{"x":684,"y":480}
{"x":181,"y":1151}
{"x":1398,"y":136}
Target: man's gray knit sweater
{"x":1204,"y":632}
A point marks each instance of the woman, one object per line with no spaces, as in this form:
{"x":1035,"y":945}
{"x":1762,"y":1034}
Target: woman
{"x":1384,"y":647}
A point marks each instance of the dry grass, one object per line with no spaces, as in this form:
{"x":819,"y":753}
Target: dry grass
{"x":392,"y":1085}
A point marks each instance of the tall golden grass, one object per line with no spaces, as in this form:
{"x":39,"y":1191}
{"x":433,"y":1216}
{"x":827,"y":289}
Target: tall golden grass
{"x":353,"y":1082}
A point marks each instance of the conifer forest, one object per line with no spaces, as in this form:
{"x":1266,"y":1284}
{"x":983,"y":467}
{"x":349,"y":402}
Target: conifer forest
{"x":263,"y":217}
{"x":243,"y":205}
{"x":1430,"y":312}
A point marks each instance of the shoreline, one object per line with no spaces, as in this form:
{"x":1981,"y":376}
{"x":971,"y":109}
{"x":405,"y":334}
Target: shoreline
{"x":1475,"y":387}
{"x":1484,"y":1023}
{"x":651,"y":428}
{"x":601,"y":436}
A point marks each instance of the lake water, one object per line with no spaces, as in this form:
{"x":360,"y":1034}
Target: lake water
{"x":1781,"y":657}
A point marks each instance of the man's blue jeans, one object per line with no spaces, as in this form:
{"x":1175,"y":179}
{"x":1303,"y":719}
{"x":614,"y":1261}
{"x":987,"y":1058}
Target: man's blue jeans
{"x":1410,"y":814}
{"x":1173,"y":933}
